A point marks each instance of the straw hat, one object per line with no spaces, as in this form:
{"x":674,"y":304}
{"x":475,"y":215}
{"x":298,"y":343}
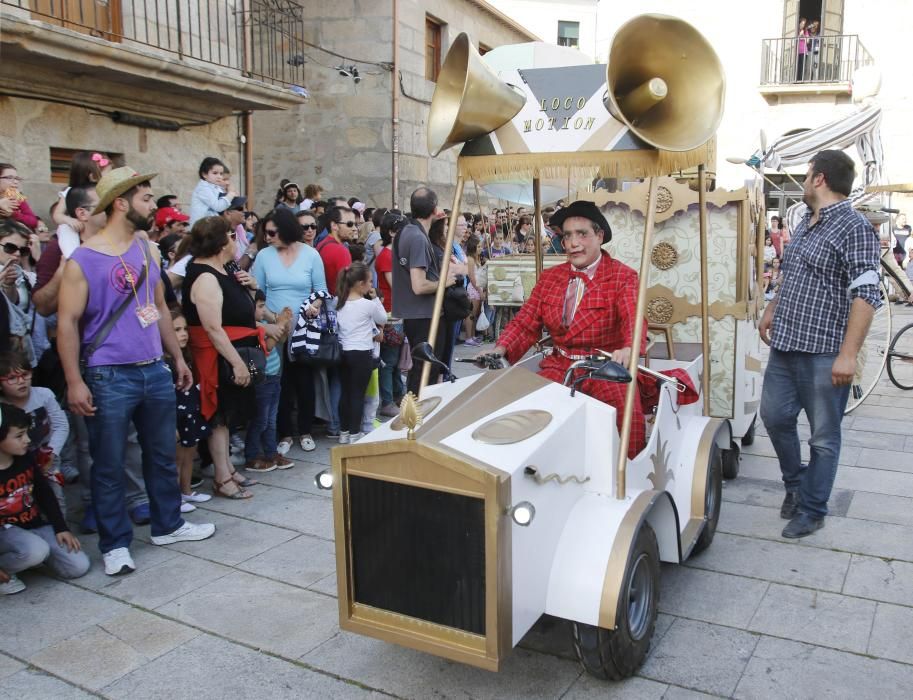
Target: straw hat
{"x":114,"y":183}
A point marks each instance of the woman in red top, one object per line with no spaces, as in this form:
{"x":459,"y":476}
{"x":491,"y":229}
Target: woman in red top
{"x":390,"y":378}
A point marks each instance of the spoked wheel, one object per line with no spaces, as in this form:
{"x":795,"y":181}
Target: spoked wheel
{"x":713,"y":496}
{"x":616,"y":654}
{"x":900,"y":358}
{"x":873,"y":355}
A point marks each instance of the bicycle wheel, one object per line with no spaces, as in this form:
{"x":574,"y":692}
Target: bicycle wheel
{"x":900,"y":358}
{"x":872,"y":357}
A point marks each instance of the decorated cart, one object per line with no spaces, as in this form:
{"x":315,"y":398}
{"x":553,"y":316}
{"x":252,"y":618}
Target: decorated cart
{"x":499,"y":497}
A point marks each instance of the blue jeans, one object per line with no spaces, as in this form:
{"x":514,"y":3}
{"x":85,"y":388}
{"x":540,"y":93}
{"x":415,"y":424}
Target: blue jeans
{"x":261,"y":433}
{"x":24,"y":549}
{"x":390,"y":379}
{"x":335,"y":386}
{"x":796,"y":381}
{"x":144,"y":395}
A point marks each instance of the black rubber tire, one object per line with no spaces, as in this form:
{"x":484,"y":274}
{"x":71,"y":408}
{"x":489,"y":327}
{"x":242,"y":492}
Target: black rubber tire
{"x":730,"y":463}
{"x":617,"y":654}
{"x":898,"y":352}
{"x":748,"y":437}
{"x":713,"y":498}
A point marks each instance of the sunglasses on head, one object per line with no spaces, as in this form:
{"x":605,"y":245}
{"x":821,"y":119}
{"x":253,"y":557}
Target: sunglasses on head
{"x":12,"y":249}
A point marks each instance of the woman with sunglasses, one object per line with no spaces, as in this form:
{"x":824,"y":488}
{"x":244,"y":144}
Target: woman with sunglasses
{"x":308,"y":221}
{"x":16,"y":284}
{"x":289,"y":271}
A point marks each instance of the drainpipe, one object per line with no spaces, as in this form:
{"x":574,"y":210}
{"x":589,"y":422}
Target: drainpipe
{"x":248,"y":133}
{"x":247,"y":118}
{"x":394,"y":83}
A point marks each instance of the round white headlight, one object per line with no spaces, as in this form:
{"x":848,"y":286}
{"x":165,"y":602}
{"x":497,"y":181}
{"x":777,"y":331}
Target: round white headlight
{"x":523,"y":513}
{"x":324,"y":480}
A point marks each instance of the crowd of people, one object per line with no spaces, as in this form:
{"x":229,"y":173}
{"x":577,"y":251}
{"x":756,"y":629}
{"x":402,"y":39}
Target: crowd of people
{"x":147,"y":346}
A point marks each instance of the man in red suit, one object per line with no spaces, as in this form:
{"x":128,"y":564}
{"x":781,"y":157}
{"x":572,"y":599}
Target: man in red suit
{"x":585,"y":305}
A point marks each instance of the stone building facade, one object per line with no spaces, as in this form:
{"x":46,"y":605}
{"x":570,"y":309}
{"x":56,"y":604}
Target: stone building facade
{"x":342,"y":138}
{"x":158,"y":86}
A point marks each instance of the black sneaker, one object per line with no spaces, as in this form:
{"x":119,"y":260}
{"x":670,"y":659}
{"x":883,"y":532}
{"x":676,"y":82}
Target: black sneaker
{"x":196,"y":481}
{"x":790,"y":506}
{"x":802,"y":526}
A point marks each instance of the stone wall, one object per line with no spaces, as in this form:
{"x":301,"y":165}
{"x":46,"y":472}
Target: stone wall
{"x":342,"y":137}
{"x":30,"y":128}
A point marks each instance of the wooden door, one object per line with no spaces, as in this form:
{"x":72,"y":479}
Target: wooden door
{"x":101,"y":18}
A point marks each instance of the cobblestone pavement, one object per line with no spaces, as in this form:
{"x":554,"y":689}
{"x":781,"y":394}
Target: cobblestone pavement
{"x":252,"y":612}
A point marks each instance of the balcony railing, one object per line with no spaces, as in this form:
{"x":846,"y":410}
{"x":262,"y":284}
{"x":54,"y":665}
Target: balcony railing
{"x":260,"y":38}
{"x":832,"y":58}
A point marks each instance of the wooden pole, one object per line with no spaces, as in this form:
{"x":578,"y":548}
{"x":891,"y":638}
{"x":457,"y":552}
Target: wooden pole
{"x":436,"y":319}
{"x":705,"y":301}
{"x":625,"y":436}
{"x":537,"y":225}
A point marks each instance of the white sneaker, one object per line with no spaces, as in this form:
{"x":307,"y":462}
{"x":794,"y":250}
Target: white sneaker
{"x":118,"y":561}
{"x":307,"y":443}
{"x":355,"y":437}
{"x":14,"y":585}
{"x":238,"y":459}
{"x":194,"y":497}
{"x":284,"y":446}
{"x":187,"y":507}
{"x":344,"y":437}
{"x":188,"y":532}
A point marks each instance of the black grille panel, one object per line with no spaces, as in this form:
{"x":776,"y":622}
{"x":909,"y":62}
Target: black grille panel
{"x":419,"y":552}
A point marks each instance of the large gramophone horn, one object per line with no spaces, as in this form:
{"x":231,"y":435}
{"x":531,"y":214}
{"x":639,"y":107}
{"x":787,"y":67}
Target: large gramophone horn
{"x":665,"y":82}
{"x":469,"y":100}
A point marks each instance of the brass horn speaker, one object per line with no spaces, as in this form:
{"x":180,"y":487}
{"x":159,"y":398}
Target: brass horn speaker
{"x":469,"y":100}
{"x":665,"y":82}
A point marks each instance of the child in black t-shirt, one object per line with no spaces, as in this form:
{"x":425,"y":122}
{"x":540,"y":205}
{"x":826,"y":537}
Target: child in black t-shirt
{"x":26,"y":499}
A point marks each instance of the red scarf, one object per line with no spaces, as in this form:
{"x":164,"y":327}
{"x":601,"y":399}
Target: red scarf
{"x":206,"y":361}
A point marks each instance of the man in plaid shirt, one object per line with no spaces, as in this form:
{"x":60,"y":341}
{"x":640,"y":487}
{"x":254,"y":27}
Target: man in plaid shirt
{"x":815,"y":328}
{"x":586,"y":304}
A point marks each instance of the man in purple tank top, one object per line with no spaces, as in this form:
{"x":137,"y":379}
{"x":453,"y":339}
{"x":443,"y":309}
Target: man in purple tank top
{"x":112,"y":315}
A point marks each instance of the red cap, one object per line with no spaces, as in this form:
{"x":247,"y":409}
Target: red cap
{"x":167,"y":215}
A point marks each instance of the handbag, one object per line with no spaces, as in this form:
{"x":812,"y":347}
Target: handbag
{"x":457,"y":305}
{"x":405,"y":356}
{"x":254,"y":359}
{"x":319,"y":346}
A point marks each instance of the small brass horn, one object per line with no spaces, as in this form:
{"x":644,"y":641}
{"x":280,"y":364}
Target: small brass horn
{"x":469,"y":100}
{"x":665,"y":82}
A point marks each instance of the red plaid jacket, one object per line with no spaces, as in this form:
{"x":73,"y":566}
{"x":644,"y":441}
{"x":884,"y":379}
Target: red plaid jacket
{"x":604,"y":320}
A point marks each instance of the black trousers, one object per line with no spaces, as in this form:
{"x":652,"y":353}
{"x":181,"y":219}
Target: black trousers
{"x":297,"y":386}
{"x":354,"y":376}
{"x":417,"y":330}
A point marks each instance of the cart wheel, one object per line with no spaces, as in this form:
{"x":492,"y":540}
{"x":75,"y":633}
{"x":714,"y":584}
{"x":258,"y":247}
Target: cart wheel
{"x":900,"y":358}
{"x":616,"y":654}
{"x":713,"y":496}
{"x":730,"y":463}
{"x":748,"y":437}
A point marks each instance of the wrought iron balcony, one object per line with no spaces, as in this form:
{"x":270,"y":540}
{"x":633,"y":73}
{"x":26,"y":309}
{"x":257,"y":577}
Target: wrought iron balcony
{"x":811,"y":62}
{"x":262,"y":39}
